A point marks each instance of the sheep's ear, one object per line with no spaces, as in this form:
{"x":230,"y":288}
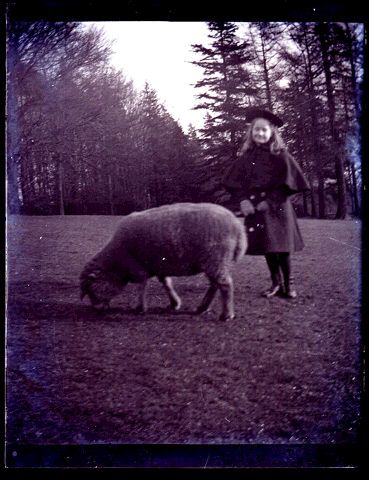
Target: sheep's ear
{"x":86,"y":281}
{"x":91,"y":277}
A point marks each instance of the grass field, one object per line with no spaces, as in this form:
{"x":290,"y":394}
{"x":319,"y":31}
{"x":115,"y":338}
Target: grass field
{"x":282,"y":372}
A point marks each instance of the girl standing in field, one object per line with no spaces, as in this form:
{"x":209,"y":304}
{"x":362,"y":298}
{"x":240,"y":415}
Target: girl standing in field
{"x":262,"y":180}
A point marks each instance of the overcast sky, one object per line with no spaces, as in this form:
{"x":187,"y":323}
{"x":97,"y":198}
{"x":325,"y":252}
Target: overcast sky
{"x":159,"y":53}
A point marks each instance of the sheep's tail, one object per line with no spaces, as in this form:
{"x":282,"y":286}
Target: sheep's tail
{"x":241,"y":245}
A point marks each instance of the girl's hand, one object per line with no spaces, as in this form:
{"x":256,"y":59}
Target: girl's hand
{"x":247,"y":208}
{"x":262,"y":206}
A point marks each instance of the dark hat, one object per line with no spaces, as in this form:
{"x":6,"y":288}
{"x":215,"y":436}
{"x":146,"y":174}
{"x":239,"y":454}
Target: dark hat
{"x":254,"y":112}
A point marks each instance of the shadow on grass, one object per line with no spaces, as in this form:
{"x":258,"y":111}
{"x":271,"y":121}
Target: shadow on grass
{"x":59,"y":300}
{"x":71,"y":312}
{"x":153,"y":313}
{"x":165,"y":314}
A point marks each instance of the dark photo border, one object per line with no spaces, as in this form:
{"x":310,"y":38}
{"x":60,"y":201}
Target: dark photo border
{"x":179,"y":461}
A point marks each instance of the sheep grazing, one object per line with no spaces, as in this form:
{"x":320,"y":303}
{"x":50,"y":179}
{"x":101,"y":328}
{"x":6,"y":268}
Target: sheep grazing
{"x":172,"y":240}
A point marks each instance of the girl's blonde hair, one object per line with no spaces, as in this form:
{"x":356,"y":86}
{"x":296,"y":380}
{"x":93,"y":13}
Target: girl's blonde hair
{"x":276,"y":144}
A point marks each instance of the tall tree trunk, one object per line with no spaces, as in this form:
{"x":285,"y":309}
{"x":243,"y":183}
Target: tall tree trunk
{"x":315,"y":134}
{"x":353,"y":78}
{"x":354,"y":191}
{"x":227,"y":102}
{"x":313,"y":203}
{"x":321,"y":196}
{"x":111,"y":200}
{"x":61,"y":188}
{"x":350,"y":165}
{"x":341,"y":186}
{"x":338,"y":160}
{"x":351,"y":55}
{"x":266,"y":76}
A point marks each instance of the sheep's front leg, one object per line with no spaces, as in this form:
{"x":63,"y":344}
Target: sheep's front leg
{"x":175,"y":301}
{"x":208,"y":298}
{"x":142,"y":299}
{"x":225,"y":284}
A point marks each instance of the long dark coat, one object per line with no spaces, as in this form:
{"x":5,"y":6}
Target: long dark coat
{"x":260,"y":175}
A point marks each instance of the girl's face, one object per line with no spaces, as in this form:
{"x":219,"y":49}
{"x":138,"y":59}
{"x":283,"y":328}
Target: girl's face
{"x":261,"y":131}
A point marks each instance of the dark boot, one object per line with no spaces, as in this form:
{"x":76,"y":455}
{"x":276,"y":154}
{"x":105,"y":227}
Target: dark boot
{"x":276,"y":288}
{"x":290,"y":292}
{"x":285,"y":262}
{"x":272,"y":260}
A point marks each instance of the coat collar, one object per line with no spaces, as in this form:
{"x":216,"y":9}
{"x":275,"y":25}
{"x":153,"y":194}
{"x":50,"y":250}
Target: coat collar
{"x":265,"y":147}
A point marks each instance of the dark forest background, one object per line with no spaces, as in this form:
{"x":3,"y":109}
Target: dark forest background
{"x":81,"y":139}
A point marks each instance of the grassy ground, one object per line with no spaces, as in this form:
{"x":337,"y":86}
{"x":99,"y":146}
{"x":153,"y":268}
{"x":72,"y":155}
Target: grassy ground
{"x":281,"y":372}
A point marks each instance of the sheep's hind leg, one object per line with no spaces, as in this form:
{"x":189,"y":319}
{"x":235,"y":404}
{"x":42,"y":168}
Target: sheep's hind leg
{"x":225,"y":284}
{"x":142,"y":299}
{"x":208,"y":298}
{"x":175,"y":301}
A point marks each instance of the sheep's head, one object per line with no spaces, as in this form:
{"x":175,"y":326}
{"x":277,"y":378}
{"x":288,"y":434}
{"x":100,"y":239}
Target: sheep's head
{"x":100,"y":287}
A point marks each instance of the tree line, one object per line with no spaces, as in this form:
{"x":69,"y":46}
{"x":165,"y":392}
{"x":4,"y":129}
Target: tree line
{"x":81,"y":139}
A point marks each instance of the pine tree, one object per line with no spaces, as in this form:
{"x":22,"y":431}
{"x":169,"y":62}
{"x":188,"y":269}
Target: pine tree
{"x":226,"y":94}
{"x":265,"y":38}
